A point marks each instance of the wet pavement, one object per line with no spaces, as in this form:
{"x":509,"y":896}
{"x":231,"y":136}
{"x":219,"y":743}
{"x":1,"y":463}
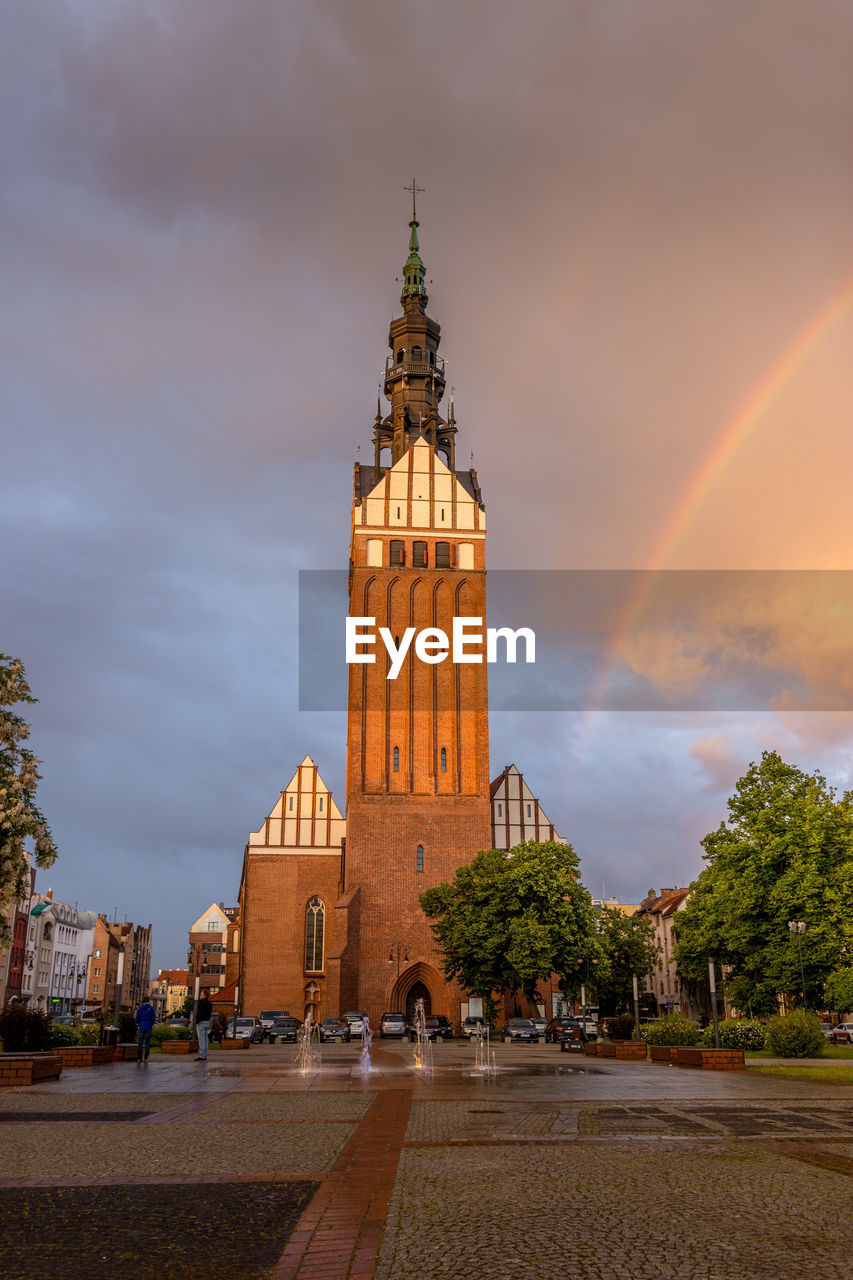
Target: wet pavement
{"x":399,"y":1174}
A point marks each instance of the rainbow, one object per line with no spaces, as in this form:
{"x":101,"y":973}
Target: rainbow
{"x":719,"y":458}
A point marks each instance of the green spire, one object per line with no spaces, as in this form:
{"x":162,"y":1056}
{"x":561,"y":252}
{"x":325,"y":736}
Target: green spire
{"x":414,"y":270}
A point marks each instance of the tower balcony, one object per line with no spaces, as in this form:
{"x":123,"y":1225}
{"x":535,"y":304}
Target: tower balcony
{"x":418,"y":368}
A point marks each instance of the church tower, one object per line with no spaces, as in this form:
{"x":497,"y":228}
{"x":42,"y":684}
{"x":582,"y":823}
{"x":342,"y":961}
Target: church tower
{"x":418,"y":801}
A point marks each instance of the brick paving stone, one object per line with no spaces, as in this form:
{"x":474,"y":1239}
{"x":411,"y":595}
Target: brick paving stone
{"x":30,"y":1100}
{"x":275,"y":1108}
{"x":495,"y":1213}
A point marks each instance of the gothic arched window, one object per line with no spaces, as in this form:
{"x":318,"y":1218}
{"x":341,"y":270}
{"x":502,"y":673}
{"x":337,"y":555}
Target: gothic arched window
{"x":396,"y":759}
{"x":314,"y":915}
{"x":420,"y":858}
{"x":444,"y":759}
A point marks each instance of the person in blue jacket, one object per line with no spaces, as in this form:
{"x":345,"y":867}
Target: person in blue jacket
{"x":145,"y":1019}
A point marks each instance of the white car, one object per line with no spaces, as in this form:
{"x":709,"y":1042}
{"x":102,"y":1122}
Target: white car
{"x":356,"y":1023}
{"x":842,"y":1034}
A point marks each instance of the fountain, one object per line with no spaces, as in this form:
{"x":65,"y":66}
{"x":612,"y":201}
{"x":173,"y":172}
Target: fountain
{"x":366,"y":1047}
{"x":309,"y":1046}
{"x":484,"y":1056}
{"x":423,"y":1044}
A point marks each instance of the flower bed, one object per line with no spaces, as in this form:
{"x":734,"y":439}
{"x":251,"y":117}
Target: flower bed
{"x":242,"y":1042}
{"x":184,"y":1047}
{"x":628,"y":1050}
{"x":84,"y":1055}
{"x":28,"y":1068}
{"x":709,"y":1059}
{"x":662,"y":1052}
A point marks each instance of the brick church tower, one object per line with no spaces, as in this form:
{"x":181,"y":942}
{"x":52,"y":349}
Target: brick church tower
{"x":418,"y":800}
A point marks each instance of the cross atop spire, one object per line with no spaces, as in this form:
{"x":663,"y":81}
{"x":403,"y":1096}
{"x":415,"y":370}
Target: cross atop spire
{"x":414,"y":188}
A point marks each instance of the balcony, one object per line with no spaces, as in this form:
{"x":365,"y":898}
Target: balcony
{"x":418,"y":368}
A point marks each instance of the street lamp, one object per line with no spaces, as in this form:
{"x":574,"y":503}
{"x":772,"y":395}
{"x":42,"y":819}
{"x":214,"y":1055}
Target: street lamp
{"x":798,"y":927}
{"x":395,"y":954}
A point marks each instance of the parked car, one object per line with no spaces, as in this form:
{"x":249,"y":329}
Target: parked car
{"x":335,"y":1029}
{"x":445,"y":1026}
{"x":432,"y":1030}
{"x":826,"y":1028}
{"x":470,"y":1025}
{"x":356,"y":1022}
{"x":268,"y":1016}
{"x":842,"y":1034}
{"x":247,"y":1029}
{"x":540,"y":1024}
{"x":519,"y":1029}
{"x":284,"y":1030}
{"x":392,"y":1024}
{"x":560,"y":1028}
{"x":63,"y":1019}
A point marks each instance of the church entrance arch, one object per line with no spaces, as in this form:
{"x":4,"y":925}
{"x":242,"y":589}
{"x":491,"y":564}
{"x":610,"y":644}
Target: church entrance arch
{"x":417,"y":991}
{"x":418,"y":981}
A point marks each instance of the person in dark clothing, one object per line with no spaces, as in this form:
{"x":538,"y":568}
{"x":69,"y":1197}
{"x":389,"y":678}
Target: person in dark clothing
{"x":145,"y":1018}
{"x":202,"y":1027}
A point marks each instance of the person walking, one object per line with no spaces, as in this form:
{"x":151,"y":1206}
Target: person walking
{"x":202,"y":1027}
{"x":146,"y":1016}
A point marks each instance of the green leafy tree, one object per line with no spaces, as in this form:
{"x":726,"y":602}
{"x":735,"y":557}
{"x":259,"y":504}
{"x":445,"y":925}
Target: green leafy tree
{"x":838,"y":994}
{"x":21,"y":820}
{"x":627,"y":947}
{"x":785,"y":853}
{"x":509,"y":920}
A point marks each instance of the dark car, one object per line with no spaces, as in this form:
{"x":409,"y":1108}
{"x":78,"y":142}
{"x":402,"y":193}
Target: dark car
{"x":284,"y":1030}
{"x":560,"y":1028}
{"x":540,"y":1024}
{"x":268,"y":1016}
{"x":445,"y":1026}
{"x":432,"y":1030}
{"x":519,"y":1029}
{"x":470,"y":1025}
{"x":335,"y":1029}
{"x":393,"y":1024}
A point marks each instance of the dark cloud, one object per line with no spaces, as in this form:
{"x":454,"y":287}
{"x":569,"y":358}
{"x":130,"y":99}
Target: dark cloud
{"x":631,"y":212}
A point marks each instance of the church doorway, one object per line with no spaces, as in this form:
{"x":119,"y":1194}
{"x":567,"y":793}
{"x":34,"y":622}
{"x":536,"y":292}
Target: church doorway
{"x":418,"y":991}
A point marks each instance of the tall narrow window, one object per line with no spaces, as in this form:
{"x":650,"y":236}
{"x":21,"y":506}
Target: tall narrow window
{"x":290,"y":806}
{"x":419,"y":555}
{"x":444,"y":759}
{"x":442,"y":555}
{"x":420,"y":857}
{"x":529,"y":813}
{"x":398,"y":551}
{"x":314,"y":936}
{"x":321,"y":804}
{"x":500,"y":811}
{"x":396,"y":759}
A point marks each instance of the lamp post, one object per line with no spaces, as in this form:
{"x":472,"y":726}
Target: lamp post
{"x":798,"y":928}
{"x":401,"y":955}
{"x":636,"y":1005}
{"x":712,"y":983}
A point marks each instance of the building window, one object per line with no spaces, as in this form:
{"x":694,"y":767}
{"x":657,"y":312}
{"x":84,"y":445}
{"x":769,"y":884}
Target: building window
{"x":500,"y":811}
{"x":290,"y":806}
{"x":442,"y":555}
{"x":96,"y":986}
{"x":529,"y":814}
{"x":97,"y":973}
{"x":420,"y":856}
{"x":398,"y":552}
{"x":97,"y":955}
{"x":419,"y":555}
{"x":314,"y":936}
{"x":444,"y":759}
{"x":396,"y":759}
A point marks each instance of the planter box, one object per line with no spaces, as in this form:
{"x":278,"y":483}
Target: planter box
{"x":663,"y":1052}
{"x":709,"y":1059}
{"x":125,"y":1053}
{"x":592,"y":1050}
{"x":240,"y":1043}
{"x":185,"y":1047}
{"x":626,"y":1050}
{"x":28,"y":1068}
{"x":85,"y":1055}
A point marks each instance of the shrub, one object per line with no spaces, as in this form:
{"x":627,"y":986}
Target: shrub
{"x":796,"y":1036}
{"x":161,"y":1032}
{"x":736,"y":1033}
{"x":620,"y":1027}
{"x":24,"y":1030}
{"x":672,"y":1029}
{"x":90,"y":1035}
{"x":62,"y":1035}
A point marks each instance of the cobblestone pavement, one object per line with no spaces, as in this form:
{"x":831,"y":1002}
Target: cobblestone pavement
{"x":544,"y":1167}
{"x":710,"y":1213}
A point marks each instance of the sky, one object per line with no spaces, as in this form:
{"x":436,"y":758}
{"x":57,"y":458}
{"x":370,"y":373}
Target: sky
{"x":636,"y":227}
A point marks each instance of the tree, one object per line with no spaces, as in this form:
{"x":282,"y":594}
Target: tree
{"x":509,"y":919}
{"x":628,"y":947}
{"x":20,"y":818}
{"x":785,"y":854}
{"x":838,"y":994}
